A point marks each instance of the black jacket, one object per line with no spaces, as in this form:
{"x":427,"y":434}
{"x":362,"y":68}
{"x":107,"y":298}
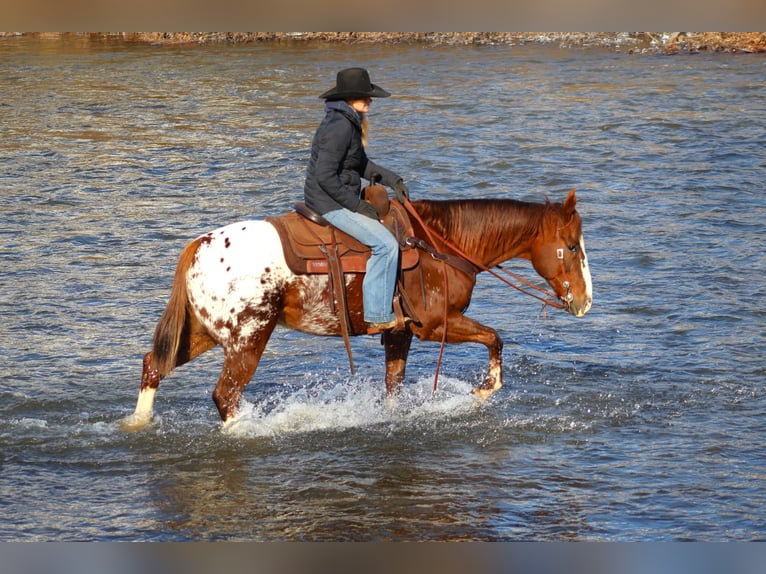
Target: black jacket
{"x":338,"y":162}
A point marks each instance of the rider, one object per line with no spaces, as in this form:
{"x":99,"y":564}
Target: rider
{"x":333,"y":187}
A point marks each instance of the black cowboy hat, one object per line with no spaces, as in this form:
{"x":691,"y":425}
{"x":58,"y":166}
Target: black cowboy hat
{"x":353,"y":83}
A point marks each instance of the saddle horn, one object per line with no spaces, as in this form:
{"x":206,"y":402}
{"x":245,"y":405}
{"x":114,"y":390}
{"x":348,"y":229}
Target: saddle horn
{"x":377,"y":195}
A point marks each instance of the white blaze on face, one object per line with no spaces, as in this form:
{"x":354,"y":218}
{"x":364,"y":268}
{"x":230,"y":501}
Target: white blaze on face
{"x":237,"y":271}
{"x":586,"y":277}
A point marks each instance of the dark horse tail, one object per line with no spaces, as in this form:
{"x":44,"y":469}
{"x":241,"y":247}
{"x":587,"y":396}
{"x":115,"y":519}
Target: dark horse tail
{"x":169,"y":330}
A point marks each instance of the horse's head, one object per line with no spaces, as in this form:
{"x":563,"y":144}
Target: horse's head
{"x":558,"y":255}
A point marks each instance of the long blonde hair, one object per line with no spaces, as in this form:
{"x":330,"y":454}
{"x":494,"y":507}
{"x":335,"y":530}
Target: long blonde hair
{"x":365,"y":129}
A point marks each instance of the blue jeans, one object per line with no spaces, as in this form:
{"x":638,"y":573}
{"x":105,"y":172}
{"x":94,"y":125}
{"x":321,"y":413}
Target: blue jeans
{"x":380,"y":276}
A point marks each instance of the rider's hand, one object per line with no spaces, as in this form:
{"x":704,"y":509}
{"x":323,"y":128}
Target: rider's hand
{"x":401,"y":191}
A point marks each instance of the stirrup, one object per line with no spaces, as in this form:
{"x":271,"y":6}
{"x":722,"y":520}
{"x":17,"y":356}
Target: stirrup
{"x":377,"y":328}
{"x":397,"y":325}
{"x":400,"y":319}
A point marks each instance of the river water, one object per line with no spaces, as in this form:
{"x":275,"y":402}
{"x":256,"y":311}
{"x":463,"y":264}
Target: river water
{"x":644,"y":420}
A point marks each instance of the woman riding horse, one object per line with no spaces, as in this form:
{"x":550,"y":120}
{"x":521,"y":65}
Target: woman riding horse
{"x":333,"y":187}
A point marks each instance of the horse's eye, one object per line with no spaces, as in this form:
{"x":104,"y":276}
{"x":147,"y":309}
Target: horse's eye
{"x":573,"y":248}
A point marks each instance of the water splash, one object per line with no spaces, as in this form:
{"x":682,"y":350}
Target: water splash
{"x":351,"y":403}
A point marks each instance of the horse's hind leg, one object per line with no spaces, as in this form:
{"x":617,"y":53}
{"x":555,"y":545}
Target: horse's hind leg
{"x":192,"y":345}
{"x":150,"y":380}
{"x":239,"y":366}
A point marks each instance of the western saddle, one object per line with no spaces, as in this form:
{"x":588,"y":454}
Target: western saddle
{"x":313,"y":246}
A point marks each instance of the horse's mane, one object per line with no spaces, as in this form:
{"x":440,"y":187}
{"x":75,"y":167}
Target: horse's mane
{"x":484,"y":227}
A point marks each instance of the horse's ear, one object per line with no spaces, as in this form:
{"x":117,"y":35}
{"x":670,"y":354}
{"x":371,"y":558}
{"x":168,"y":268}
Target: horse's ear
{"x":569,"y":203}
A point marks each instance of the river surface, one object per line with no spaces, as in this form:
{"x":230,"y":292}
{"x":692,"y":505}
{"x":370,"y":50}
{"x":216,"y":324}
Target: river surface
{"x":644,"y":420}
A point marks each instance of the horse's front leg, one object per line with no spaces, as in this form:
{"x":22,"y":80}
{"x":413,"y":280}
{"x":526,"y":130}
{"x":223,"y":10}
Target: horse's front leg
{"x":494,"y":379}
{"x":397,"y":346}
{"x":461,"y":329}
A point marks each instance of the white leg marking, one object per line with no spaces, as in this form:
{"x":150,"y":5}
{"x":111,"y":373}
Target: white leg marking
{"x":143,"y":413}
{"x":145,"y":404}
{"x":495,"y":374}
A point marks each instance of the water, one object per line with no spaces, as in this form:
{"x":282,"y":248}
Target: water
{"x":642,"y":421}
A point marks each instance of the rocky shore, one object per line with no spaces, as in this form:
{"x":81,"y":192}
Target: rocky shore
{"x":630,"y":42}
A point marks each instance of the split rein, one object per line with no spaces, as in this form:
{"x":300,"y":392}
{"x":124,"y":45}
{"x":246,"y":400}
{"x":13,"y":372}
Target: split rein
{"x":468,"y":265}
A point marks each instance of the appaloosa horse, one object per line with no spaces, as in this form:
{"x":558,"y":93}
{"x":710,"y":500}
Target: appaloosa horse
{"x":232,"y":287}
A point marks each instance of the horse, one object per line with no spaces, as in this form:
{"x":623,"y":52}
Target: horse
{"x":232,"y":287}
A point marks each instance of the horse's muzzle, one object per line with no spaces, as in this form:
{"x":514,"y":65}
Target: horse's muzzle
{"x":579,"y":309}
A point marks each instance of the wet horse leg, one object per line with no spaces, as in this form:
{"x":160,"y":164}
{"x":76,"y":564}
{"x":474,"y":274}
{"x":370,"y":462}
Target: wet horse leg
{"x":191,"y":346}
{"x":239,"y":366}
{"x":397,"y":346}
{"x":150,"y":380}
{"x":462,"y":329}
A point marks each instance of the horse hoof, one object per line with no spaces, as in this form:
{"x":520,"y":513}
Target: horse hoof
{"x":390,"y":403}
{"x":134,"y":422}
{"x":483,"y":394}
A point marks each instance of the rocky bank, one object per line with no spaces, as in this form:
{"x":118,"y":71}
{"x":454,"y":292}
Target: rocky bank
{"x":630,"y":42}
